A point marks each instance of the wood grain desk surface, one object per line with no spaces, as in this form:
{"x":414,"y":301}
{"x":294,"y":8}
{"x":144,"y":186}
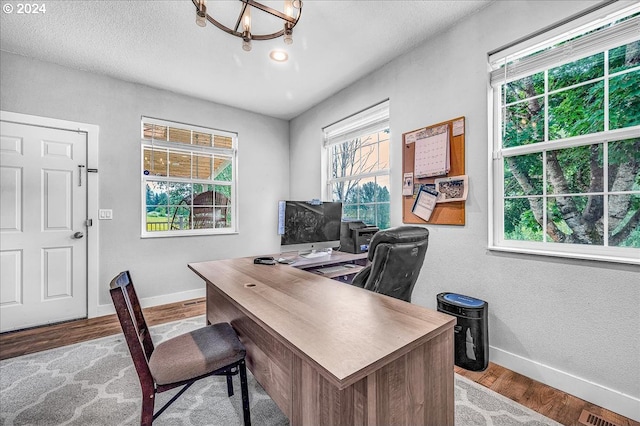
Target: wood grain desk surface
{"x":347,"y":332}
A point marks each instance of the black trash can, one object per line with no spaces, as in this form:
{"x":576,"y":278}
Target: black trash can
{"x":471,"y":334}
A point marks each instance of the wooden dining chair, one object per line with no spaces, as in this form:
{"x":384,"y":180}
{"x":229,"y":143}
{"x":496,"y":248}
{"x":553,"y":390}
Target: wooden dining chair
{"x":180,"y":361}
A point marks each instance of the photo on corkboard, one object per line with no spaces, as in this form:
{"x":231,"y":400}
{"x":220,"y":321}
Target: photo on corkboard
{"x":453,"y":188}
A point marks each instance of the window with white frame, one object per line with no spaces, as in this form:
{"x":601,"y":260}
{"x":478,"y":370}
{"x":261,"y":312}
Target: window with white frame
{"x":188,"y":179}
{"x":358,"y":160}
{"x":565,"y":167}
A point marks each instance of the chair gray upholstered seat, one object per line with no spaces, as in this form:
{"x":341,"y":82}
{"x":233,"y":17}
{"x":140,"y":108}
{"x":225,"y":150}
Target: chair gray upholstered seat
{"x":396,"y":256}
{"x":195,"y":354}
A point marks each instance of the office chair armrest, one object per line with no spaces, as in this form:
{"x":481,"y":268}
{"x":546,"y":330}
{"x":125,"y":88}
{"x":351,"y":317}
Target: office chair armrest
{"x":361,"y":277}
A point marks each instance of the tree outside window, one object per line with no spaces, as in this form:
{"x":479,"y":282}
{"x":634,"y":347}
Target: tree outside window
{"x":360,"y":178}
{"x":357,"y":150}
{"x":569,"y":154}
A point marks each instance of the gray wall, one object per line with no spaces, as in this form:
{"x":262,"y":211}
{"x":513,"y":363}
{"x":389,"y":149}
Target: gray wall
{"x":566,"y":322}
{"x":579,"y":317}
{"x":158,"y":265}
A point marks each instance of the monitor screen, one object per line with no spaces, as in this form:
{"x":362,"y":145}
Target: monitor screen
{"x":305,"y":225}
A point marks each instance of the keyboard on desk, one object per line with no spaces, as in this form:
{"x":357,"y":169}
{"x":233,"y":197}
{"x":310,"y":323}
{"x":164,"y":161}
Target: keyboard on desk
{"x":332,"y":269}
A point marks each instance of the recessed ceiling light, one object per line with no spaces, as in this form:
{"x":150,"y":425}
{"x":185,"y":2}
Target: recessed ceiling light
{"x":279,"y":55}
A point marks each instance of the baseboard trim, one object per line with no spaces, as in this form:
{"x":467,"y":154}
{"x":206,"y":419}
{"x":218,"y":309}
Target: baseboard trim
{"x":595,"y":393}
{"x":148,"y":302}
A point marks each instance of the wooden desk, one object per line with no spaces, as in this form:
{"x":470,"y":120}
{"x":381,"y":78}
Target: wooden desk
{"x":332,"y":354}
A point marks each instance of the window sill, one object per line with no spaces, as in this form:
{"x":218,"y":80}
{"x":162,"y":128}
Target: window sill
{"x":174,"y":234}
{"x":573,"y":255}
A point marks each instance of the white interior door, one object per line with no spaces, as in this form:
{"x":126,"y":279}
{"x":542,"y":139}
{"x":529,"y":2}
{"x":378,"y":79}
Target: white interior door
{"x":43,"y":209}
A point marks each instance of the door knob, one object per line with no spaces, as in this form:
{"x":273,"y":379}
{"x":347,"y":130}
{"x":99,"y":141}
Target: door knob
{"x":78,"y":235}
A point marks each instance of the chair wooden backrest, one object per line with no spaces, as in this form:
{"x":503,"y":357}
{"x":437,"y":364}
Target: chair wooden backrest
{"x":134,"y":327}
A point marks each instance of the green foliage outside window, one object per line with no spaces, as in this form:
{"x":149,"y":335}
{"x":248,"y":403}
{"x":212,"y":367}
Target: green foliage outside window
{"x":562,"y":191}
{"x":369,"y":203}
{"x":179,"y":206}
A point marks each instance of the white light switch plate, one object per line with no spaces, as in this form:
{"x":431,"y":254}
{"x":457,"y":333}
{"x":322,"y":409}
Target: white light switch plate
{"x":105,"y":214}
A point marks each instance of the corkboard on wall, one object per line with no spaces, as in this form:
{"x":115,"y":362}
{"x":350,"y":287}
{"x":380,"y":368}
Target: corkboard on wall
{"x":451,"y":213}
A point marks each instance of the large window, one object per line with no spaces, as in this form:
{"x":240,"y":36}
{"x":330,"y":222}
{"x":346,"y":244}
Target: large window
{"x":566,"y":144}
{"x":358,"y":162}
{"x":188,"y":179}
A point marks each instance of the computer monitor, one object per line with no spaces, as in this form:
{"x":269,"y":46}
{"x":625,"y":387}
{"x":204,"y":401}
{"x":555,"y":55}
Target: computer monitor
{"x":309,"y":227}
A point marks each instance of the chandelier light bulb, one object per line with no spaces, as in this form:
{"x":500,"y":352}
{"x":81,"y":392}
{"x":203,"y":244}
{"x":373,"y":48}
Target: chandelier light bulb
{"x":288,"y":33}
{"x":288,"y":8}
{"x":246,"y":20}
{"x":201,"y":14}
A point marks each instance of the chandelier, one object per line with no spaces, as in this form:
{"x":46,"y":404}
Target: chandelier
{"x":242,"y":27}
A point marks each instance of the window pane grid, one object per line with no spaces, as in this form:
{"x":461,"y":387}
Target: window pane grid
{"x":183,"y":134}
{"x":182,"y":206}
{"x":359,"y":177}
{"x":522,"y":130}
{"x":359,"y":157}
{"x":551,"y":92}
{"x":358,"y":165}
{"x":188,"y":179}
{"x":564,"y":212}
{"x":570,"y":151}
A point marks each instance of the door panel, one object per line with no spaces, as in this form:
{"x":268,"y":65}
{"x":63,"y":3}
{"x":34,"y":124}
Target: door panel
{"x":57,"y":193}
{"x":11,"y":265}
{"x":43,"y":204}
{"x":55,"y":269}
{"x":11,"y":199}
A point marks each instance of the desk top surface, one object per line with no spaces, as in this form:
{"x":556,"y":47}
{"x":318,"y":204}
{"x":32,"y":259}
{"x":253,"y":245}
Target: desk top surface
{"x":346,"y":331}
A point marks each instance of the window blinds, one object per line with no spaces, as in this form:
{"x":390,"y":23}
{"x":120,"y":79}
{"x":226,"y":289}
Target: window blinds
{"x":608,"y":35}
{"x":371,"y":120}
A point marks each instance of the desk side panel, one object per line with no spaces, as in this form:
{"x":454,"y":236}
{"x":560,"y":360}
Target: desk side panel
{"x":318,"y":402}
{"x":268,"y":360}
{"x":417,"y":388}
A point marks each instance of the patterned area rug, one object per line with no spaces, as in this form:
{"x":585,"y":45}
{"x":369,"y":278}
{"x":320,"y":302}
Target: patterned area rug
{"x":94,"y":383}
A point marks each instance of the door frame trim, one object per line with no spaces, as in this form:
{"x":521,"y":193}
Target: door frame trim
{"x":93,"y":234}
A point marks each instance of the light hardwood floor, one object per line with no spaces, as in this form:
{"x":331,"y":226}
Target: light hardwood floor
{"x":550,"y":402}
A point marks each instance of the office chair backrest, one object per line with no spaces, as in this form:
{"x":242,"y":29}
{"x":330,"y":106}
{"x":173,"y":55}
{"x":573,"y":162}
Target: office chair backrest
{"x":133,"y":324}
{"x":396,"y":256}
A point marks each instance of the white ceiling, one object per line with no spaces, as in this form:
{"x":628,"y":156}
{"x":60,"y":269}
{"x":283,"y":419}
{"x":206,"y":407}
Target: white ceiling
{"x":157,"y":43}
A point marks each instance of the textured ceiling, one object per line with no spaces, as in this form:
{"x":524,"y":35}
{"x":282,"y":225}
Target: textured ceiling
{"x":157,"y":43}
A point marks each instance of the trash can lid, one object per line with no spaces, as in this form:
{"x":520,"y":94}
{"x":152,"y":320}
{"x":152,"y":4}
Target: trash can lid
{"x":463,"y":300}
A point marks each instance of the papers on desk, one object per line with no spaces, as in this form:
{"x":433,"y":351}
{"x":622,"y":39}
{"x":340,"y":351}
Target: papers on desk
{"x":424,"y":203}
{"x":431,"y":151}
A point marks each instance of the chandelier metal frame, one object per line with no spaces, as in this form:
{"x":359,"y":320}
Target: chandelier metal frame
{"x":288,"y":21}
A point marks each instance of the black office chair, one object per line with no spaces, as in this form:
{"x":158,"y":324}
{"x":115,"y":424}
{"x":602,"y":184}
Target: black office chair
{"x":396,"y":256}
